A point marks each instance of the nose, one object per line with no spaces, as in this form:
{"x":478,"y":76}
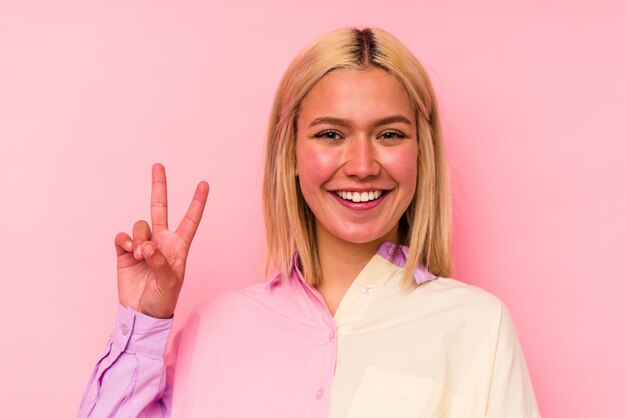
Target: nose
{"x":360,"y":159}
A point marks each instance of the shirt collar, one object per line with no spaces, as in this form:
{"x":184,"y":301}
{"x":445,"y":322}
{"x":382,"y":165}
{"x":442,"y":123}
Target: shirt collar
{"x":396,"y":254}
{"x":390,"y":252}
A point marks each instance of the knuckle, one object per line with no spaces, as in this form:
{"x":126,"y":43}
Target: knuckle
{"x":121,"y":240}
{"x":141,"y":230}
{"x":141,"y":224}
{"x":191,"y":220}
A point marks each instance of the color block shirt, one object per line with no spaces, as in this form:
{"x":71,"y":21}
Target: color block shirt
{"x":435,"y":349}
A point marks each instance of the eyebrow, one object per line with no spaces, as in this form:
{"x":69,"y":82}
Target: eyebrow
{"x":346,"y":123}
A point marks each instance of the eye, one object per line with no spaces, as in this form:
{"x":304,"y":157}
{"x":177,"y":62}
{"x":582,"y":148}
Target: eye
{"x":390,"y":135}
{"x":329,"y":135}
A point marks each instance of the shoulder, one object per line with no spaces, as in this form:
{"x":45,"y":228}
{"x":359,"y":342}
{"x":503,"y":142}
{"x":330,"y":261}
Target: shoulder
{"x":461,"y":299}
{"x":230,"y":304}
{"x":224,"y":318}
{"x":464,"y":293}
{"x":241,"y":307}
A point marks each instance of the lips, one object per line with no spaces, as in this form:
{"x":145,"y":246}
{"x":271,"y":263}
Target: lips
{"x":360,"y":206}
{"x":359,"y":196}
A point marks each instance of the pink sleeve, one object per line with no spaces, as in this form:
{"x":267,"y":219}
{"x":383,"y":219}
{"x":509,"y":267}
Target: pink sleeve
{"x":129,"y":379}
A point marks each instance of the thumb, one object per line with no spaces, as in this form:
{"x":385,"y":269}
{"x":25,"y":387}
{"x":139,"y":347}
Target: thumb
{"x":165,"y":278}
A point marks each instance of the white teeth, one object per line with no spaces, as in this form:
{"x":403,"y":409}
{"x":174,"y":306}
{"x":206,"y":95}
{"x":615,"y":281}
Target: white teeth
{"x":357,"y":197}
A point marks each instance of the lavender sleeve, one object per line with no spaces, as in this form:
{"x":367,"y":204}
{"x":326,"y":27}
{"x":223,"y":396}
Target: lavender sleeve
{"x":129,"y":379}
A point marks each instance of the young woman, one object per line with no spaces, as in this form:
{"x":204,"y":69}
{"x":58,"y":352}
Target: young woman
{"x":362,"y":320}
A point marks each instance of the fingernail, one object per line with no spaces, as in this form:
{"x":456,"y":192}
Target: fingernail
{"x":138,"y":252}
{"x":128,"y":245}
{"x":148,"y":249}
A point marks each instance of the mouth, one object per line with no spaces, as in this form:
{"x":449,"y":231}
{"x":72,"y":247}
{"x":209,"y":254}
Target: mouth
{"x":360,"y":197}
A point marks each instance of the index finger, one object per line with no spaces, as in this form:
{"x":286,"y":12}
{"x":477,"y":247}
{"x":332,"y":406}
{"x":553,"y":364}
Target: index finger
{"x":189,"y":225}
{"x":158,"y":200}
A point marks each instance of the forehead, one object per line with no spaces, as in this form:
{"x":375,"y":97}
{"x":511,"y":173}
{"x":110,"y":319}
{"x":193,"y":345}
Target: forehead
{"x":359,"y":95}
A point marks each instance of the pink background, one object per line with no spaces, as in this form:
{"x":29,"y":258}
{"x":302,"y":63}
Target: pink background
{"x":533,"y":99}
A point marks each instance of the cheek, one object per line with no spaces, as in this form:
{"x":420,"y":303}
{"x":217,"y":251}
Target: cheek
{"x":402,"y":167}
{"x":314,"y":166}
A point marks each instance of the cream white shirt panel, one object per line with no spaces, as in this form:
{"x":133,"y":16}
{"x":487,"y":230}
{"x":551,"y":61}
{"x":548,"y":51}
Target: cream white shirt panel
{"x":439,"y":349}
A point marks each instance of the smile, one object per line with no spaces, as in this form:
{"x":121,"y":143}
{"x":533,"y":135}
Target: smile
{"x":358,"y":197}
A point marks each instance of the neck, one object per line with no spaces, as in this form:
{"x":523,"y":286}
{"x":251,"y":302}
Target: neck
{"x":341,"y":261}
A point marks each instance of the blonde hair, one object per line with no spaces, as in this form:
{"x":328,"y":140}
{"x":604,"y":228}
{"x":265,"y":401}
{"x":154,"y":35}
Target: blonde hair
{"x":425,"y":226}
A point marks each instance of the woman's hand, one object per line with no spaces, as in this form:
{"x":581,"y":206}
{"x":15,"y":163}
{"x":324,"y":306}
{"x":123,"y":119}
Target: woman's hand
{"x":151,"y":264}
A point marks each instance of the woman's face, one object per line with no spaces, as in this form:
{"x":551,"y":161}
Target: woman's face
{"x":356,"y":153}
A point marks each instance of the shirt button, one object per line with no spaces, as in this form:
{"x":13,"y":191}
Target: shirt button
{"x":124,"y":329}
{"x":367,"y":289}
{"x":319,"y":394}
{"x":331,"y":335}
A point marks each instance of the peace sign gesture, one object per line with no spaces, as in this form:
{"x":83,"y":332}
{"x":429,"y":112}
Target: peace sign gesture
{"x":151,"y":264}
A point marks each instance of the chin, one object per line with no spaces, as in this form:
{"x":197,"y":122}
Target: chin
{"x":361,"y":237}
